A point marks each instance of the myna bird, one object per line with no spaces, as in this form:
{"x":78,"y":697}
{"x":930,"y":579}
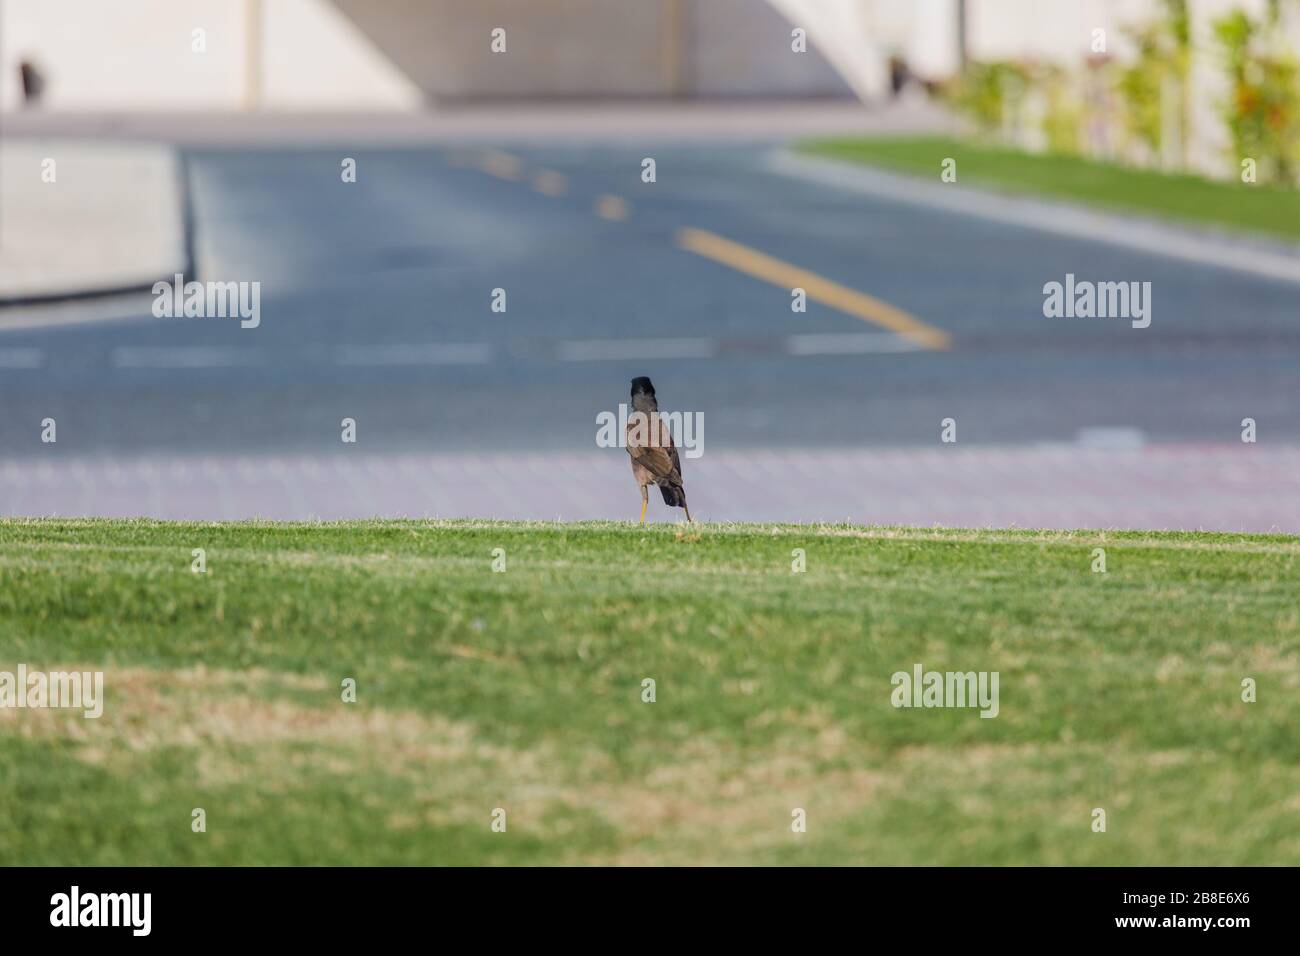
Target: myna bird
{"x":650,"y":443}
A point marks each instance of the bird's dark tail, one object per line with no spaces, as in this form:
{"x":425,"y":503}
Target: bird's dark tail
{"x":674,"y":495}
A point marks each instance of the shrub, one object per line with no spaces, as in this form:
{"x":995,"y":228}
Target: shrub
{"x":1160,"y":71}
{"x":990,"y":93}
{"x":1262,"y":111}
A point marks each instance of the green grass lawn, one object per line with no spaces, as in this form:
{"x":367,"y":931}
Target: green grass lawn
{"x":1231,"y":205}
{"x":522,"y":690}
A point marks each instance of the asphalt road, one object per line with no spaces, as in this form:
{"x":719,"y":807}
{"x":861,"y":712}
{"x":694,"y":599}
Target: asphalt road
{"x":376,"y":295}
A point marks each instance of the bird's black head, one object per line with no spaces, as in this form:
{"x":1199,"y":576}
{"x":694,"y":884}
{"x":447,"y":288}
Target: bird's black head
{"x":643,"y":395}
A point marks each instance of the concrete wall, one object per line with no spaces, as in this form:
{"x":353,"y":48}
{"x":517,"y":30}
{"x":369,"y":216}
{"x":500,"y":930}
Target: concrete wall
{"x":397,"y":54}
{"x":589,"y":48}
{"x":138,"y":54}
{"x":401,"y":54}
{"x":553,"y":47}
{"x":314,"y":57}
{"x":1054,"y":30}
{"x":110,"y":55}
{"x":742,"y":48}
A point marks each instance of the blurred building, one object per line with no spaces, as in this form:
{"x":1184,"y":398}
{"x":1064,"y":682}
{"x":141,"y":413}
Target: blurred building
{"x":126,"y":55}
{"x":398,"y":54}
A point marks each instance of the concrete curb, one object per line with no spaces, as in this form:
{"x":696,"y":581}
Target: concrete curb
{"x":113,"y":220}
{"x":570,"y":122}
{"x":1271,"y":259}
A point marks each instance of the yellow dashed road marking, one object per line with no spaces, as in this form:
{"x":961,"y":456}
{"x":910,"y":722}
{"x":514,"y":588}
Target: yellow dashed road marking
{"x":550,"y":183}
{"x":740,"y":257}
{"x":827,"y":292}
{"x":501,"y":165}
{"x":611,"y":207}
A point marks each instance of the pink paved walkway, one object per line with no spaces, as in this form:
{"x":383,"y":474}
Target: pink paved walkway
{"x":1212,"y":487}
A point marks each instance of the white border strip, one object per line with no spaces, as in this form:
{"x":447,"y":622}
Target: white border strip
{"x":1260,"y":257}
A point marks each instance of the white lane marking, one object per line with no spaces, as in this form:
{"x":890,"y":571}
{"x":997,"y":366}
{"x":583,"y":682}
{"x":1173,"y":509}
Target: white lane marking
{"x":1261,"y":256}
{"x":1110,"y":436}
{"x":597,"y":350}
{"x":457,"y":353}
{"x":481,"y":353}
{"x":201,"y":356}
{"x":856,"y":343}
{"x":22,"y":358}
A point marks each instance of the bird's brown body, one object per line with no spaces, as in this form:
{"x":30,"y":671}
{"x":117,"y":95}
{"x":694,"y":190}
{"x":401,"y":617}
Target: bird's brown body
{"x":650,"y":446}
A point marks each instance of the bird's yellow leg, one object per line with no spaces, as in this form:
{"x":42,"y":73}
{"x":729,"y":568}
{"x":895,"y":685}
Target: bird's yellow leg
{"x":688,"y":513}
{"x":645,"y":500}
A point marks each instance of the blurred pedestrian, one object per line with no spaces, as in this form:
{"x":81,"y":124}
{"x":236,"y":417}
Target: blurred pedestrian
{"x":33,"y":83}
